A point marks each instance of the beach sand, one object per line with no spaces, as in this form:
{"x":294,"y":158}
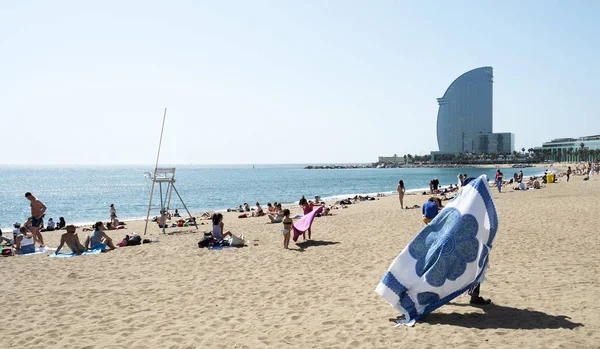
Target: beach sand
{"x":543,"y":281}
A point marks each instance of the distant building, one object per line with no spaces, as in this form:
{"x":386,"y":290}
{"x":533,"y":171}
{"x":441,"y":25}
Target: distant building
{"x":571,"y":149}
{"x":465,"y":117}
{"x":495,"y":143}
{"x":589,"y":143}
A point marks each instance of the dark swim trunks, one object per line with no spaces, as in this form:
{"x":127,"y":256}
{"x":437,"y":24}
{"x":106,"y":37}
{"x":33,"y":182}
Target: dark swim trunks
{"x":36,"y":222}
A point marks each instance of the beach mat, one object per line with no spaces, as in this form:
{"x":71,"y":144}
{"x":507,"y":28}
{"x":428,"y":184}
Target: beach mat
{"x":68,"y":255}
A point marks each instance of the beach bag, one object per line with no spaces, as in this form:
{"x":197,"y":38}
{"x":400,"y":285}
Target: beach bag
{"x":134,"y":240}
{"x":205,"y":242}
{"x":7,"y":252}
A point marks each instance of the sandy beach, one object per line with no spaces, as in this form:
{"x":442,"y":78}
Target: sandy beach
{"x":543,"y":281}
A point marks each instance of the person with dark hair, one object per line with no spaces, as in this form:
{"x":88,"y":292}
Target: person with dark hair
{"x":217,"y":228}
{"x":430,"y":210}
{"x":401,"y":191}
{"x":61,"y":223}
{"x":98,"y":239}
{"x":499,"y":176}
{"x":259,"y":211}
{"x":569,"y":173}
{"x":37,"y":217}
{"x":287,"y":228}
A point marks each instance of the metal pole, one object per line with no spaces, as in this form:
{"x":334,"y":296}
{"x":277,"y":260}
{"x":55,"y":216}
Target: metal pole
{"x":162,"y":209}
{"x":184,"y":206}
{"x":150,"y":204}
{"x":155,"y":168}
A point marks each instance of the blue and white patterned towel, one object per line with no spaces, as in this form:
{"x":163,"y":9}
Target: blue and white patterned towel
{"x":447,"y":258}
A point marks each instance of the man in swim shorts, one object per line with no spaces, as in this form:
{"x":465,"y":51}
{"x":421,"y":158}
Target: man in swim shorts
{"x":72,"y":240}
{"x":37,"y":213}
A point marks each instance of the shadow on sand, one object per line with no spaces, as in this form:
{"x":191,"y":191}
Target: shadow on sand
{"x":310,"y":243}
{"x":501,"y":317}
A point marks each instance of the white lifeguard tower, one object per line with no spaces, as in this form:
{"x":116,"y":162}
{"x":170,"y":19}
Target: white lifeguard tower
{"x":165,"y":177}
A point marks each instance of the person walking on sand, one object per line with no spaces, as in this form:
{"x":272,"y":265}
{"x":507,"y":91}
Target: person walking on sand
{"x":287,"y":228}
{"x":569,"y":173}
{"x":113,"y":211}
{"x":499,"y":176}
{"x":72,"y":240}
{"x":37,"y":214}
{"x":401,"y":190}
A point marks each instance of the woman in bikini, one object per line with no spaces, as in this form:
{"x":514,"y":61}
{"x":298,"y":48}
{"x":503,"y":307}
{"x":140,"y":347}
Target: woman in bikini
{"x":401,"y":191}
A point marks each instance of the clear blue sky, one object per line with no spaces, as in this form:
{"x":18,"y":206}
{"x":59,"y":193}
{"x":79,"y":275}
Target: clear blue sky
{"x":282,"y":81}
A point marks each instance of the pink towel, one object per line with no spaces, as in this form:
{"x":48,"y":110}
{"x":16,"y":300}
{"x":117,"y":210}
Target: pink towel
{"x":304,"y":223}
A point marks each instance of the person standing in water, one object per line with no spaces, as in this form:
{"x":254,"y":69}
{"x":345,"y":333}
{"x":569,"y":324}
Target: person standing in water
{"x":401,"y":191}
{"x":37,"y":217}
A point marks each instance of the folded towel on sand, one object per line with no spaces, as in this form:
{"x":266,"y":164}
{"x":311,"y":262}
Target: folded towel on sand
{"x":304,"y":223}
{"x":447,"y":258}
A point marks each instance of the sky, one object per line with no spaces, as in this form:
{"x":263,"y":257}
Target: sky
{"x":269,"y":82}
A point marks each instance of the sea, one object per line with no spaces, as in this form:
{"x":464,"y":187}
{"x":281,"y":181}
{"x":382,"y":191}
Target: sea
{"x":82,"y":195}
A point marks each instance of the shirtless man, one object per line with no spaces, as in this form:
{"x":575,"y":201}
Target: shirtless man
{"x":72,"y":240}
{"x":37,"y":212}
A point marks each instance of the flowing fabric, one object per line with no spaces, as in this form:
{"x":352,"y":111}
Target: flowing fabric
{"x":304,"y":223}
{"x":447,"y":258}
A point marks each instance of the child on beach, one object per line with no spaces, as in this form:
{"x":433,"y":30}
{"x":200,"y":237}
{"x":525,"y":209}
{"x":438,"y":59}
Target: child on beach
{"x":287,"y":228}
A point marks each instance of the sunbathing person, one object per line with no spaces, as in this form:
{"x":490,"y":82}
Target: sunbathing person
{"x":217,"y":228}
{"x":72,"y":240}
{"x":98,"y":239}
{"x":25,"y":242}
{"x":271,"y":209}
{"x":259,"y":211}
{"x":277,"y":217}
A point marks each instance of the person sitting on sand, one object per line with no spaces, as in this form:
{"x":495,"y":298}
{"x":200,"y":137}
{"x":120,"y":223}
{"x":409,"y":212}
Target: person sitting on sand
{"x":259,"y":211}
{"x":217,"y":228}
{"x":72,"y":240}
{"x":7,"y":241}
{"x":277,"y":217}
{"x":98,"y":239}
{"x":25,"y":242}
{"x":287,"y":228}
{"x":176,"y":214}
{"x":271,"y":209}
{"x":61,"y":223}
{"x":430,"y":210}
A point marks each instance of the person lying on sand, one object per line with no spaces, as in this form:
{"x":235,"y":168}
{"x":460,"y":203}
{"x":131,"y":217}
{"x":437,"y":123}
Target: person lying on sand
{"x":72,"y":240}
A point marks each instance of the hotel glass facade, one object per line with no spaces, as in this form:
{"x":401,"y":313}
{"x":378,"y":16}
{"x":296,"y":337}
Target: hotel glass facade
{"x":465,"y":117}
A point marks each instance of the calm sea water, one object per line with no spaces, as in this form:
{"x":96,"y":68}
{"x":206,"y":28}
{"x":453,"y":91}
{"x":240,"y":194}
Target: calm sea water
{"x":83,"y":194}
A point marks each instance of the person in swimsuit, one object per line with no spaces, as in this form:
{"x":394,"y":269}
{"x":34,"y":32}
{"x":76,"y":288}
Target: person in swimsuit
{"x":569,"y":173}
{"x":277,"y":217}
{"x":37,"y":215}
{"x":217,"y":228}
{"x":25,"y":242}
{"x":401,"y":191}
{"x":72,"y":240}
{"x":287,"y":228}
